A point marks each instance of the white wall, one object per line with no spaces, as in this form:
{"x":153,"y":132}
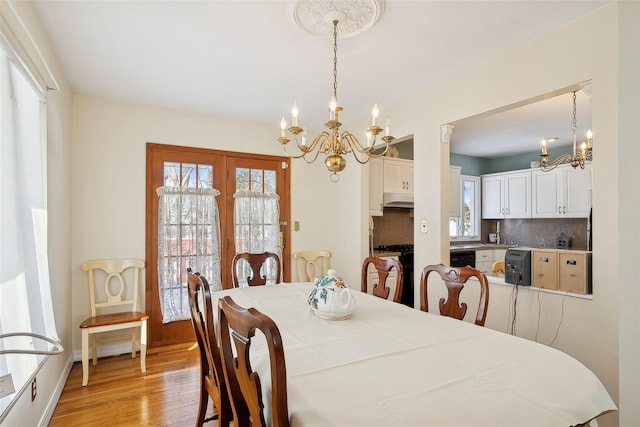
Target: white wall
{"x":52,"y":376}
{"x":109,"y":152}
{"x":586,"y":49}
{"x":629,"y":206}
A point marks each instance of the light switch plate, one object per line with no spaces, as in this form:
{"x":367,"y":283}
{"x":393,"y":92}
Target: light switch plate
{"x":424,"y":226}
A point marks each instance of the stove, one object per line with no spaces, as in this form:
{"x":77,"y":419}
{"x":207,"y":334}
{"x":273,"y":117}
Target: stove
{"x":406,"y":259}
{"x":407,"y":247}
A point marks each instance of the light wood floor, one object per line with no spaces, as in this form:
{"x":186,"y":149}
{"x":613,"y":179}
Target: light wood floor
{"x":118,"y":394}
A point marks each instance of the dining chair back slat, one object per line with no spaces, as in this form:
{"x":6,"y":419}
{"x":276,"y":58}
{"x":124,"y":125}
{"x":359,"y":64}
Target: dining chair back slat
{"x":237,"y":328}
{"x":212,"y":383}
{"x":455,"y":279}
{"x":383,"y":267}
{"x":255,"y":269}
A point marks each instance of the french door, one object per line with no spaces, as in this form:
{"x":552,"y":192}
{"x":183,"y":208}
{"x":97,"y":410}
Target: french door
{"x":228,"y":172}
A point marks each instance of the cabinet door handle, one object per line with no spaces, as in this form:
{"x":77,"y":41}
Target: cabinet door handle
{"x":564,"y":209}
{"x":559,"y":209}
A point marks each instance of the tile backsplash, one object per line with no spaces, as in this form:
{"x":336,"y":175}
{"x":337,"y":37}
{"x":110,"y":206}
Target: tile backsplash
{"x":395,"y":227}
{"x":539,"y":232}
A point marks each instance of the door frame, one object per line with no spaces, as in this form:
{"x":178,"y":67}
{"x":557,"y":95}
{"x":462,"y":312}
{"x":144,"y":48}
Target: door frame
{"x":183,"y":329}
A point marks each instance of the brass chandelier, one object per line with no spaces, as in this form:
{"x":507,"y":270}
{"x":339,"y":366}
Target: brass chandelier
{"x":578,"y":158}
{"x":332,"y":143}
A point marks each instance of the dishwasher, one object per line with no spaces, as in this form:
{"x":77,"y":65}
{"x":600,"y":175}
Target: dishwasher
{"x":462,"y":258}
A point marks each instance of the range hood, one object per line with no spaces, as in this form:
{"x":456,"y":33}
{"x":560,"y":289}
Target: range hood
{"x":397,"y":200}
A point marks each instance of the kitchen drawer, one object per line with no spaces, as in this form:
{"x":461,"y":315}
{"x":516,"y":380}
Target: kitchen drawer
{"x":485,"y":255}
{"x":485,"y":267}
{"x":574,"y":272}
{"x":544,"y":269}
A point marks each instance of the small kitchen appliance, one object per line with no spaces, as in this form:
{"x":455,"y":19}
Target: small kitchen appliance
{"x":517,"y":264}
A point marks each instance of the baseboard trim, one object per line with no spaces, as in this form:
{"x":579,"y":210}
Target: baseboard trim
{"x":55,"y":396}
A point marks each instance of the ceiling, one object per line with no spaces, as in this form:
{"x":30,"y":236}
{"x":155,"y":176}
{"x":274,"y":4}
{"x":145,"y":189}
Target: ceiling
{"x":249,"y":60}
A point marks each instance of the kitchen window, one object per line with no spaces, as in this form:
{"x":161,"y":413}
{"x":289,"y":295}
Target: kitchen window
{"x":467,"y":225}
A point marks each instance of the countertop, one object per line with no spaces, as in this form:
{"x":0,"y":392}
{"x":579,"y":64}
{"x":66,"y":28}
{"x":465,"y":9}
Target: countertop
{"x":479,"y":246}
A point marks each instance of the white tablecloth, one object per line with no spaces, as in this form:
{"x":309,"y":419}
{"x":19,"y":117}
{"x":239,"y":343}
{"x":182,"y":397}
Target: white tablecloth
{"x":390,"y":365}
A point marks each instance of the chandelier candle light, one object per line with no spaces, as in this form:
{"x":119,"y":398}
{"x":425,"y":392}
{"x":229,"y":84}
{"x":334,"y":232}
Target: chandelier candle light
{"x":334,"y":144}
{"x":577,"y":158}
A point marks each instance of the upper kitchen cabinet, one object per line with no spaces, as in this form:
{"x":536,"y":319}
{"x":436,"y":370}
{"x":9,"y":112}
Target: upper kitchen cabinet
{"x":506,"y":195}
{"x":398,"y":175}
{"x":563,"y":192}
{"x":376,"y":185}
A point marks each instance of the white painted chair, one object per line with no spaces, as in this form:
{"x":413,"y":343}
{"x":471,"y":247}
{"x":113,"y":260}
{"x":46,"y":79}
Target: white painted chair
{"x":311,"y":264}
{"x":114,"y":304}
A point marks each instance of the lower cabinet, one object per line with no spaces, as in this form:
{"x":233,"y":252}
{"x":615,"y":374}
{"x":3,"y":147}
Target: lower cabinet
{"x":484,"y":261}
{"x":486,"y":257}
{"x":574,"y":272}
{"x":563,"y":270}
{"x":544,"y":269}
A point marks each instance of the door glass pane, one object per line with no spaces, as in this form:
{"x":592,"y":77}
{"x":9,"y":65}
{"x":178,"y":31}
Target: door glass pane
{"x":205,"y":176}
{"x":189,"y":175}
{"x":256,"y":180}
{"x":242,"y":179}
{"x":171,"y":174}
{"x":270,"y":182}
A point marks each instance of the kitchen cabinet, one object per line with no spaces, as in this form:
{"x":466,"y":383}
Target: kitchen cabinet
{"x":398,"y":175}
{"x":486,"y":257}
{"x":564,"y":270}
{"x":563,"y":192}
{"x":376,"y":182}
{"x":574,"y":272}
{"x":455,"y":191}
{"x":544,"y":269}
{"x":506,"y":195}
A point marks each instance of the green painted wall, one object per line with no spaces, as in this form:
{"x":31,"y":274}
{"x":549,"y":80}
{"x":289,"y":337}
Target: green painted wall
{"x":476,"y":166}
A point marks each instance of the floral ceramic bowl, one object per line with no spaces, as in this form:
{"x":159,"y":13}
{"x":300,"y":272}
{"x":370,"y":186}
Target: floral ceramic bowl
{"x":331,"y":297}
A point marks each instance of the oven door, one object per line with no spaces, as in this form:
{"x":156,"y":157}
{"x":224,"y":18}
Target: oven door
{"x":463,"y":258}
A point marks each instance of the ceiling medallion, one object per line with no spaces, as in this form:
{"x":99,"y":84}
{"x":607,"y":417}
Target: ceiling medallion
{"x":356,"y":16}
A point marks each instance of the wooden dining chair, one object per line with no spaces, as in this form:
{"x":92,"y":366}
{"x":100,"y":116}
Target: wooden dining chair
{"x":383,"y":267}
{"x":455,"y":278}
{"x":311,"y":264}
{"x":255,"y":269}
{"x":237,"y":327}
{"x":498,"y":268}
{"x":212,"y":383}
{"x":113,"y":301}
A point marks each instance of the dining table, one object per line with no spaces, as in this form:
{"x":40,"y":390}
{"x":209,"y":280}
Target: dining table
{"x":392,"y":365}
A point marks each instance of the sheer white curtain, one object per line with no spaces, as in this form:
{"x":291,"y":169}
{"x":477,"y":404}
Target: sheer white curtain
{"x":25,"y":292}
{"x":188,"y":236}
{"x":257,"y":227}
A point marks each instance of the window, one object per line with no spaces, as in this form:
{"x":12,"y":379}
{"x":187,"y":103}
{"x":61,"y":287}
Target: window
{"x":467,"y":225}
{"x":25,"y":294}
